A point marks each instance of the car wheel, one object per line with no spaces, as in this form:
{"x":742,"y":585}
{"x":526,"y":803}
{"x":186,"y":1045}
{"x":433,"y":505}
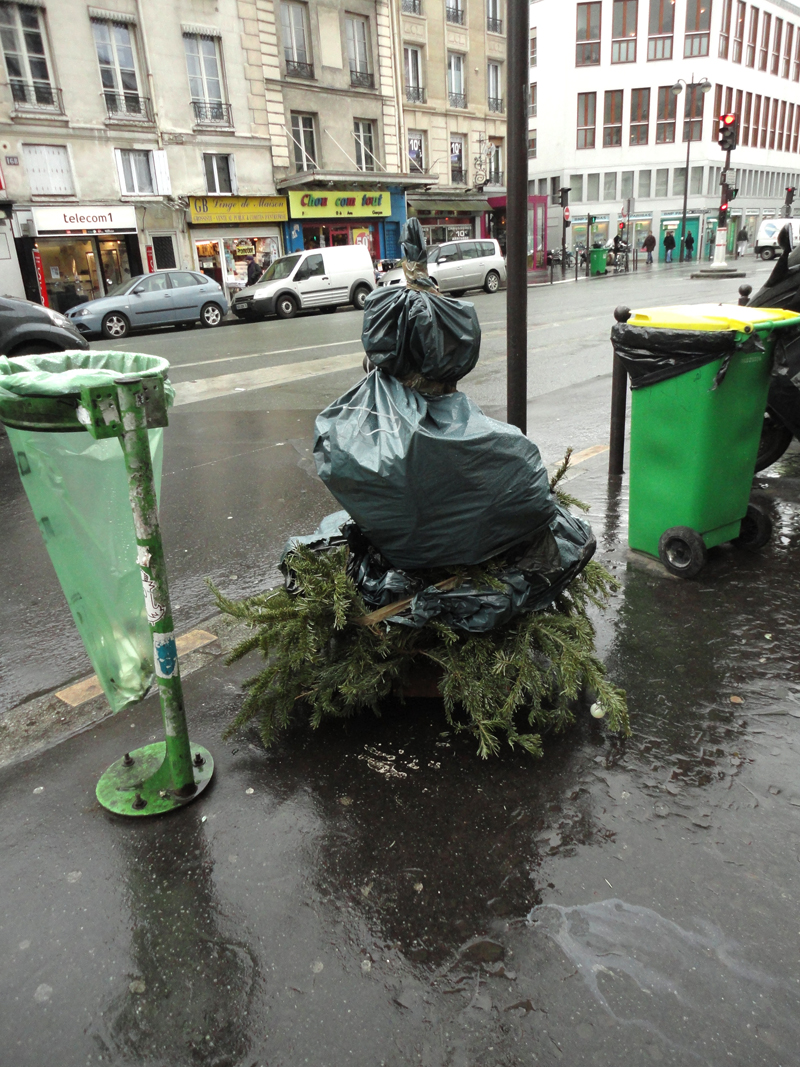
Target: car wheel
{"x":755,"y":530}
{"x":458,"y":292}
{"x":767,"y":253}
{"x":775,"y":439}
{"x":210,"y":315}
{"x":492,"y":282}
{"x":115,"y":325}
{"x":682,"y":551}
{"x":360,"y":297}
{"x":286,"y":307}
{"x":35,"y":348}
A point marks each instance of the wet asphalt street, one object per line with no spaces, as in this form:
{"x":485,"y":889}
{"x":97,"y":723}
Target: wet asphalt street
{"x":374,"y":894}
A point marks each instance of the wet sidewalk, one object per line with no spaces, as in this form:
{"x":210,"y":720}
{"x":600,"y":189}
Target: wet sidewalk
{"x":374,"y":894}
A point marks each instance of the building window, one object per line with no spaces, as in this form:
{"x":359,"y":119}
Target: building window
{"x":623,"y":32}
{"x":660,"y":29}
{"x":305,"y":149}
{"x":412,"y":63}
{"x":495,"y":169}
{"x":494,"y":87}
{"x":219,"y":173}
{"x":587,"y":105}
{"x":593,"y":187}
{"x":455,"y":80}
{"x":416,"y":151}
{"x":612,"y":119}
{"x":782,"y":126}
{"x":777,"y":41}
{"x":645,"y":177}
{"x":773,"y":122}
{"x":588,"y":35}
{"x":412,"y":7}
{"x":118,"y":75}
{"x":626,"y":186}
{"x":738,"y":30}
{"x":787,"y":49}
{"x":533,"y":54}
{"x":48,"y":170}
{"x":205,"y":81}
{"x":610,"y":186}
{"x":725,"y":29}
{"x":576,"y":187}
{"x":26,"y":55}
{"x":745,"y":126}
{"x":532,"y":144}
{"x":534,"y":100}
{"x":662,"y":181}
{"x":698,"y":21}
{"x":296,"y":53}
{"x":693,"y":114}
{"x":365,"y":148}
{"x":665,"y":115}
{"x":137,"y":173}
{"x":679,"y":181}
{"x":796,"y":64}
{"x":763,"y":52}
{"x":494,"y":22}
{"x":357,"y":32}
{"x":458,"y":175}
{"x":454,"y":11}
{"x":764,"y":120}
{"x":555,"y":191}
{"x":752,"y":38}
{"x":640,"y":115}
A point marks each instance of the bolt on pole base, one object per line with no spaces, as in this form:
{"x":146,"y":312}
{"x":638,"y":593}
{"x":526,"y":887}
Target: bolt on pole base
{"x":141,"y":782}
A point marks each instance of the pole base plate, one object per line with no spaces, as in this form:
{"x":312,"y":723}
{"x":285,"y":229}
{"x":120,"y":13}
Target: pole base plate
{"x":141,"y":782}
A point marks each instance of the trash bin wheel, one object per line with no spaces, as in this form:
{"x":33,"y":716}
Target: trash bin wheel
{"x":756,"y":529}
{"x":682,"y":551}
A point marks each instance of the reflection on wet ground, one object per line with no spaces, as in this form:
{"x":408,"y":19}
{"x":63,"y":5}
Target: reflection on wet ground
{"x":374,"y":894}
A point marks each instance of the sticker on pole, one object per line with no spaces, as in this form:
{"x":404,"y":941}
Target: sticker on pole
{"x":155,"y":611}
{"x":165,"y":655}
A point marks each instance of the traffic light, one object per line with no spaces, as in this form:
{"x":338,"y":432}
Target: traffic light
{"x":620,"y":226}
{"x":728,"y":133}
{"x":565,"y":195}
{"x":591,"y":220}
{"x":790,"y":191}
{"x":733,"y":192}
{"x":723,"y":216}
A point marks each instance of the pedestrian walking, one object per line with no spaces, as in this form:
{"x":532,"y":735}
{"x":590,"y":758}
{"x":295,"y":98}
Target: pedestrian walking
{"x":669,"y":246}
{"x":253,"y":270}
{"x":742,"y":239}
{"x":649,"y":246}
{"x":689,"y":244}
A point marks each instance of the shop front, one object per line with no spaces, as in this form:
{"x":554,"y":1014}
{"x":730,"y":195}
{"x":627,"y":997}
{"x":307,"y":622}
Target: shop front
{"x":84,"y":252}
{"x":228,"y":230}
{"x":639,"y":226}
{"x":598,"y":237}
{"x":494,"y":221}
{"x":671,"y":223}
{"x":327,"y":217}
{"x":450,"y":220}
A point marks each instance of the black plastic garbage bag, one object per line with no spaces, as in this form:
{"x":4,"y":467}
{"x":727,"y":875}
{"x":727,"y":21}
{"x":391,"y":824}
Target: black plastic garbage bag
{"x":532,"y":575}
{"x":650,"y":355}
{"x":413,"y":330}
{"x":430,"y":480}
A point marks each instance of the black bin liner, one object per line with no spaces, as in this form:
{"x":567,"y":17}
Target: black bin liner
{"x":650,"y":355}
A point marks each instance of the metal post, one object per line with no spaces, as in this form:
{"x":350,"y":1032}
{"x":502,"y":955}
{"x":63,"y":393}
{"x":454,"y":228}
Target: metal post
{"x":517,"y":217}
{"x":166,"y":775}
{"x":720,"y":246}
{"x":686,"y":184}
{"x":619,"y":402}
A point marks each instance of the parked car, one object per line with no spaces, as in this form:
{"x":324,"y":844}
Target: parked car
{"x":27,"y":328}
{"x":164,"y":298}
{"x":460,"y":265}
{"x":767,"y":237}
{"x":316,"y":277}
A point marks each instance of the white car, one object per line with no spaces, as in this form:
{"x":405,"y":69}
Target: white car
{"x":460,"y":265}
{"x":767,"y":238}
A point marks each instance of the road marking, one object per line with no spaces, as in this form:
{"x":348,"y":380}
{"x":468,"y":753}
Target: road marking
{"x":263,"y":377}
{"x":260,"y":355}
{"x":587,"y":453}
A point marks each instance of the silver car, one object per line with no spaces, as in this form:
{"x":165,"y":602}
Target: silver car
{"x":460,"y":265}
{"x":164,"y":298}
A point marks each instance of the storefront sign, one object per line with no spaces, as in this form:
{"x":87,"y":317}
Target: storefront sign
{"x":339,"y":203}
{"x":224,"y":210}
{"x":119,"y":218}
{"x":151,"y":260}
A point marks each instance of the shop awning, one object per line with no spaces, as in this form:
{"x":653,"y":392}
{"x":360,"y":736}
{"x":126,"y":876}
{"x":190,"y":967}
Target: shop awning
{"x":471,"y":206}
{"x":348,"y":178}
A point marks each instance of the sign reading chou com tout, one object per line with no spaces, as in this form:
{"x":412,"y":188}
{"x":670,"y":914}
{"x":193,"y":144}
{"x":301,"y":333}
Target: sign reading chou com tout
{"x":219,"y":210}
{"x":117,"y":218}
{"x":339,"y":204}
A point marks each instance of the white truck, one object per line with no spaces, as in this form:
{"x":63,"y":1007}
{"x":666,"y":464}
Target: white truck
{"x":767,"y":238}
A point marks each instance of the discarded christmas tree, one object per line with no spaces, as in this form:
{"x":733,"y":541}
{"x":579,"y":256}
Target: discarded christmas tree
{"x":456,"y":557}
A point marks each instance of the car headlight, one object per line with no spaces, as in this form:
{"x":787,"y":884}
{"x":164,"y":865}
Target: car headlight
{"x":83,"y":311}
{"x":56,"y":317}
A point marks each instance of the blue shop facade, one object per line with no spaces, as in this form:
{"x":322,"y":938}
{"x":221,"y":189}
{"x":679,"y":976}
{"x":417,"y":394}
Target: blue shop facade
{"x":328,"y":214}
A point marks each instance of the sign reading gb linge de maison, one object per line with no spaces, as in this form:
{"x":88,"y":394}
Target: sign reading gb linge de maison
{"x":222,"y":210}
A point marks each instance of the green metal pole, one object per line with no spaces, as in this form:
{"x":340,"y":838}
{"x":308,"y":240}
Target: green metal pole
{"x":166,"y":775}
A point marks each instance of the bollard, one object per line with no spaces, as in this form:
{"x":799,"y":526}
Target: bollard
{"x":551,"y":270}
{"x":577,"y":257}
{"x":619,"y":401}
{"x":744,"y":293}
{"x":166,"y":775}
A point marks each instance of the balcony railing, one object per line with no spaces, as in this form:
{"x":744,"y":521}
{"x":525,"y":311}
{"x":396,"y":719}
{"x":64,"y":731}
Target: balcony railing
{"x":36,"y":96}
{"x":415,"y":94}
{"x":494,"y":177}
{"x":494,"y":25}
{"x":458,"y":99}
{"x":496,"y":103}
{"x":455,"y":14}
{"x":412,"y":7}
{"x":296,"y":69}
{"x":360,"y":79}
{"x":458,"y":177}
{"x":212,"y":113}
{"x":128,"y":106}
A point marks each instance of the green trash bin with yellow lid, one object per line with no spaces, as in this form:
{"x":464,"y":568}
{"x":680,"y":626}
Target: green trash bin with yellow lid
{"x":699,"y":378}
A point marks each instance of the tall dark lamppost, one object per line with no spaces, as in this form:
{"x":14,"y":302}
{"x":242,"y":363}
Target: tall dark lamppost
{"x":704,"y":86}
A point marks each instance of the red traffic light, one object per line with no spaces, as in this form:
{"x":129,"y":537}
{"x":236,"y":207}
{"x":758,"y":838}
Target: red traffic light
{"x":727,"y":120}
{"x":723,"y":207}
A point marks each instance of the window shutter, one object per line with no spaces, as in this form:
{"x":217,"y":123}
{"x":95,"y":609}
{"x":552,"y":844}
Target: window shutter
{"x":120,"y":171}
{"x":232,"y":171}
{"x":161,"y":167}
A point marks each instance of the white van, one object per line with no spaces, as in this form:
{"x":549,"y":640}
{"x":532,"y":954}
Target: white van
{"x":317,"y":277}
{"x":767,"y":239}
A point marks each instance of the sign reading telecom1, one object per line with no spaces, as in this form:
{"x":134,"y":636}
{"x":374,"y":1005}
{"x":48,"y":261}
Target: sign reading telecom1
{"x":118,"y":218}
{"x":222,"y":210}
{"x":339,"y":204}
